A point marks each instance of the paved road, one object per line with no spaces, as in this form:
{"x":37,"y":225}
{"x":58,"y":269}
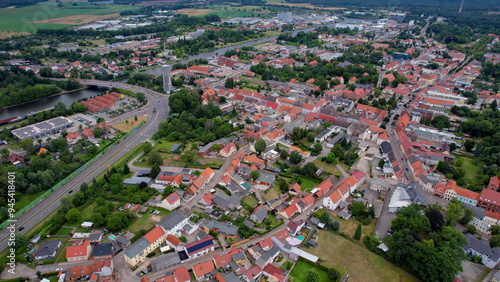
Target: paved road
{"x":52,"y":202}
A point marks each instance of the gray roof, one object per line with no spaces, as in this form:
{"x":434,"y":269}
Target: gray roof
{"x":225,"y":201}
{"x":226,"y":229}
{"x":171,"y":220}
{"x":95,"y":237}
{"x":231,"y":277}
{"x":103,"y":249}
{"x":136,"y":248}
{"x":273,"y":250}
{"x":234,"y":266}
{"x":426,"y":180}
{"x":481,"y":247}
{"x":136,"y":180}
{"x":248,"y":223}
{"x":479,"y":212}
{"x":47,"y":248}
{"x":386,"y":147}
{"x":266,"y":178}
{"x":415,"y":196}
{"x":238,"y":256}
{"x":122,"y":240}
{"x":381,"y":182}
{"x":337,"y":138}
{"x":260,"y":213}
{"x":165,"y":261}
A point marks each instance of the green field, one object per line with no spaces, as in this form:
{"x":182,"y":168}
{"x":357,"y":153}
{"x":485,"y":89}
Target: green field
{"x":301,"y":268}
{"x":21,"y":19}
{"x":358,"y":262}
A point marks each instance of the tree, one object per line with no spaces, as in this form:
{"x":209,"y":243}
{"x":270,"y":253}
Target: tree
{"x":495,"y":241}
{"x":453,"y":147}
{"x":27,"y":144}
{"x":335,"y":225}
{"x":338,"y":151}
{"x":312,"y":276}
{"x":216,"y":148}
{"x":333,"y":274}
{"x":469,"y":145}
{"x":146,"y":147}
{"x":64,"y":133}
{"x":97,"y":219}
{"x":436,"y":219}
{"x":126,"y":169}
{"x":455,"y":211}
{"x":494,"y":105}
{"x":255,"y":174}
{"x":441,"y":122}
{"x":155,"y":170}
{"x":495,"y":230}
{"x":154,"y":157}
{"x":381,"y":163}
{"x":229,"y":83}
{"x":188,"y":156}
{"x":317,"y":148}
{"x":97,"y":131}
{"x":357,"y":235}
{"x":310,"y":137}
{"x":73,"y":215}
{"x":283,"y":154}
{"x":5,"y":153}
{"x":84,"y":187}
{"x":59,"y":144}
{"x":295,"y":157}
{"x":324,"y":217}
{"x":467,"y":216}
{"x":20,"y":241}
{"x":283,"y":184}
{"x":471,"y":229}
{"x":358,"y":208}
{"x":260,"y":146}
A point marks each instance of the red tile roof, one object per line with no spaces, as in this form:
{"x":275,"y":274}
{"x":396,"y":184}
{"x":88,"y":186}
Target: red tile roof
{"x":154,"y":234}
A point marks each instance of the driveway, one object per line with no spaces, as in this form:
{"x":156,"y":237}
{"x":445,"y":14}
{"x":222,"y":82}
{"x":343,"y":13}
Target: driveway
{"x":385,"y":219}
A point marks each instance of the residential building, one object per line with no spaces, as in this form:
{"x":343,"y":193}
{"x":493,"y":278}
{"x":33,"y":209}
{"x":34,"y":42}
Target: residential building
{"x":490,"y":256}
{"x":259,"y":214}
{"x":204,"y":270}
{"x":81,"y":251}
{"x":252,"y":274}
{"x":102,"y":251}
{"x":47,"y":249}
{"x":138,"y":251}
{"x":199,"y":248}
{"x":171,"y":202}
{"x":173,"y":223}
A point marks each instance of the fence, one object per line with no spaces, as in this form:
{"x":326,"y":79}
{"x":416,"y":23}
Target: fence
{"x":65,"y":180}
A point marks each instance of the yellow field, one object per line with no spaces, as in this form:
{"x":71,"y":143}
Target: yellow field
{"x":126,"y":127}
{"x":194,"y":12}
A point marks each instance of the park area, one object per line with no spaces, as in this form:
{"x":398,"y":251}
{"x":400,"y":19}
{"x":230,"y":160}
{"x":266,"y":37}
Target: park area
{"x":51,"y":15}
{"x":356,"y":261}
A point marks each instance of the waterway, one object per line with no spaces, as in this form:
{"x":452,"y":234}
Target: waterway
{"x":49,"y":102}
{"x":70,"y":97}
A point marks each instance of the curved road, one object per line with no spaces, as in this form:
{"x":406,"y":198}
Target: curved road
{"x":42,"y":209}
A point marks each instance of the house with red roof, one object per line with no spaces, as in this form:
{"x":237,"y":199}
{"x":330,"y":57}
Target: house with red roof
{"x":222,"y":261}
{"x":88,"y":133}
{"x":294,"y":189}
{"x":204,"y":270}
{"x":289,"y":211}
{"x":228,"y":150}
{"x":252,"y":274}
{"x":201,"y":181}
{"x":181,"y":274}
{"x":78,"y":252}
{"x":72,"y":138}
{"x":171,"y":202}
{"x":276,"y":272}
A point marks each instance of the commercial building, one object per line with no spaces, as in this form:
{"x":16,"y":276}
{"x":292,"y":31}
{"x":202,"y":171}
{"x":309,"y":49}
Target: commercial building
{"x":43,"y":129}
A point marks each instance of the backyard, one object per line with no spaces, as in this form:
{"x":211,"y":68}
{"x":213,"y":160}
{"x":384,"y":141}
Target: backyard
{"x":358,"y":262}
{"x":301,"y":268}
{"x":331,"y":168}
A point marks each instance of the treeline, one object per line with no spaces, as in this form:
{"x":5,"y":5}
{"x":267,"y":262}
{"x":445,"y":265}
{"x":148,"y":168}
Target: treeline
{"x":19,"y":86}
{"x":18,"y":3}
{"x":451,"y":34}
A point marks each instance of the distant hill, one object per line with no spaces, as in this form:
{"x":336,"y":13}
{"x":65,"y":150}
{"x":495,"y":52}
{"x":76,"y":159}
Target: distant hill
{"x":18,"y":3}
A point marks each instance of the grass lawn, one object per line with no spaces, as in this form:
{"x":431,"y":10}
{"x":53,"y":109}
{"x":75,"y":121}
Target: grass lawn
{"x":307,"y":183}
{"x":64,"y":231}
{"x":272,"y":193}
{"x":24,"y":199}
{"x":470,"y":168}
{"x":301,"y":268}
{"x":165,"y":145}
{"x":344,"y":166}
{"x":287,"y":265}
{"x":129,"y":124}
{"x":328,"y":167}
{"x":250,"y":200}
{"x":88,"y":211}
{"x":47,"y":15}
{"x":358,"y":262}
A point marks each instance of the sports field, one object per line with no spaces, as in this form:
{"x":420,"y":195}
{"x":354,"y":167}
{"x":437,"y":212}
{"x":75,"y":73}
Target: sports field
{"x":49,"y":16}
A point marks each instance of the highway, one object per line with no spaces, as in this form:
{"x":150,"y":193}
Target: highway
{"x":42,"y":209}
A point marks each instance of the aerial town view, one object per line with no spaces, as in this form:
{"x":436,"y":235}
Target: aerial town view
{"x":249,"y":140}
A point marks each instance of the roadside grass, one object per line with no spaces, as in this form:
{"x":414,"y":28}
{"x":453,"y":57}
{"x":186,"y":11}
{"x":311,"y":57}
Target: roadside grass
{"x":24,"y":199}
{"x":358,"y":262}
{"x":301,"y":268}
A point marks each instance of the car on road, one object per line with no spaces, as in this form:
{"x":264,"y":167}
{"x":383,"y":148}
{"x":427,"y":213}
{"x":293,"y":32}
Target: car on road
{"x":406,"y":169}
{"x":21,"y":229}
{"x":70,"y":191}
{"x":59,"y":269}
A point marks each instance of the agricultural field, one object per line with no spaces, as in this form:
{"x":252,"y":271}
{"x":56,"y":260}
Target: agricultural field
{"x":48,"y":15}
{"x":358,"y":262}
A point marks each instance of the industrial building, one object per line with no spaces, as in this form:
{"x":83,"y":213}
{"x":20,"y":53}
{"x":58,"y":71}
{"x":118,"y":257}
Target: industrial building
{"x":43,"y":129}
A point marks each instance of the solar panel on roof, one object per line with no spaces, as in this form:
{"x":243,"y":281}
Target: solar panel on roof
{"x":199,"y":246}
{"x":173,"y":197}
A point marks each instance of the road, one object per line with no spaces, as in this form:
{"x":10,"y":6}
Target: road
{"x":52,"y":202}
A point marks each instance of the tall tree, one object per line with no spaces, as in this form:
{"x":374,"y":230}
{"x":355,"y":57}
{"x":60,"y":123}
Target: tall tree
{"x":357,"y":235}
{"x":155,"y":170}
{"x":260,"y":146}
